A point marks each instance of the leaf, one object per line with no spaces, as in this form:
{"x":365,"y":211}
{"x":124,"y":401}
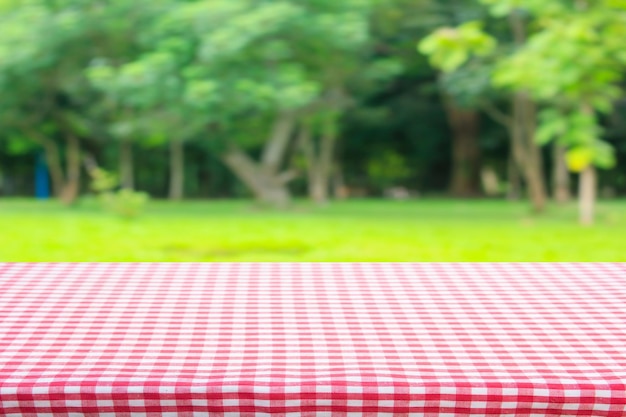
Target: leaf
{"x":453,"y":60}
{"x":499,"y":8}
{"x":18,"y":145}
{"x":450,"y":48}
{"x":549,"y":130}
{"x":603,"y":155}
{"x":617,"y":4}
{"x":579,"y":158}
{"x":602,"y":105}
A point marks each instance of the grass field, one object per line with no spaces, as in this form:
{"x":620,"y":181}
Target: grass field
{"x":421,"y":230}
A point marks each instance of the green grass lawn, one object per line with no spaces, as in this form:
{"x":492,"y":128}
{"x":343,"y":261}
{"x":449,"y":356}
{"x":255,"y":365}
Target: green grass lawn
{"x":420,"y":230}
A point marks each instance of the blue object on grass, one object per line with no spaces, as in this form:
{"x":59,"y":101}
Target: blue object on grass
{"x":42,"y":178}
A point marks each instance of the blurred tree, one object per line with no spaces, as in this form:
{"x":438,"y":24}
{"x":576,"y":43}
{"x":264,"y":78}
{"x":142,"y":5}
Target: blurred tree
{"x":461,"y":85}
{"x":144,"y":91}
{"x":161,"y":91}
{"x":46,"y":97}
{"x":34,"y":82}
{"x":574,"y":94}
{"x":236,"y":69}
{"x":542,"y":67}
{"x":451,"y":49}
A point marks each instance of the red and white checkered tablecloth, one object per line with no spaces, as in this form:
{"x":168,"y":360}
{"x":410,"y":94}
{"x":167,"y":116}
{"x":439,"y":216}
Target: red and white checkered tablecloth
{"x":312,"y":339}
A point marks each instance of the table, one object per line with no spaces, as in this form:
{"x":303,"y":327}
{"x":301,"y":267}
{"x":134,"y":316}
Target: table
{"x":158,"y":339}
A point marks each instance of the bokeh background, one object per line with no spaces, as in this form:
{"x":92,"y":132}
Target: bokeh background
{"x":312,"y":130}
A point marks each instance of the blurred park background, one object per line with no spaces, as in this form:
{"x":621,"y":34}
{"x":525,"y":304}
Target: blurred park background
{"x":312,"y":130}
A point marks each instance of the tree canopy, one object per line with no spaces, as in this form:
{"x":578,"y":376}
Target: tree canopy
{"x":321,"y":98}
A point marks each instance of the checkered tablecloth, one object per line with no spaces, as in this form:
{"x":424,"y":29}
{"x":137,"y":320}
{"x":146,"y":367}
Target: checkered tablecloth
{"x":312,"y":339}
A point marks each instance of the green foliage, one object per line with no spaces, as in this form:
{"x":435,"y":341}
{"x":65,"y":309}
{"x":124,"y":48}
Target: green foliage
{"x":387,"y":169}
{"x":103,"y":181}
{"x":449,"y":48}
{"x":570,"y":128}
{"x":575,"y":63}
{"x":124,"y":202}
{"x":503,"y":8}
{"x":463,"y":53}
{"x":18,"y":145}
{"x":470,"y":84}
{"x":214,"y":73}
{"x":544,"y":65}
{"x":214,"y":62}
{"x":572,"y":63}
{"x":579,"y":131}
{"x":598,"y":153}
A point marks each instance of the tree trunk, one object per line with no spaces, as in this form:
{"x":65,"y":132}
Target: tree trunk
{"x":270,"y":189}
{"x":177,"y":170}
{"x":465,"y":176}
{"x":340,"y":191}
{"x":319,"y":163}
{"x":65,"y":183}
{"x":514,"y":192}
{"x":71,"y":187}
{"x":525,"y":155}
{"x":527,"y":152}
{"x":587,"y":195}
{"x":325,"y":164}
{"x":560,"y":176}
{"x":275,"y":147}
{"x":264,"y":179}
{"x":127,"y":178}
{"x":588,"y":184}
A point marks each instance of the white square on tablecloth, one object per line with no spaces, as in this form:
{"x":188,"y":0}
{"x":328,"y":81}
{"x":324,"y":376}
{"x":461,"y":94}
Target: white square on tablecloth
{"x":353,"y":389}
{"x":261,"y":403}
{"x":292,"y":403}
{"x":601,"y":407}
{"x":386,"y":403}
{"x":386,"y":390}
{"x":73,"y":403}
{"x":40,"y":390}
{"x":104,"y":389}
{"x":71,"y":389}
{"x":136,"y":403}
{"x":167,"y":389}
{"x":292,"y":389}
{"x":8,"y":390}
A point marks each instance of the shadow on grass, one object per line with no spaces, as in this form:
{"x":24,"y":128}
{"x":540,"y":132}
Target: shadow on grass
{"x":236,"y":251}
